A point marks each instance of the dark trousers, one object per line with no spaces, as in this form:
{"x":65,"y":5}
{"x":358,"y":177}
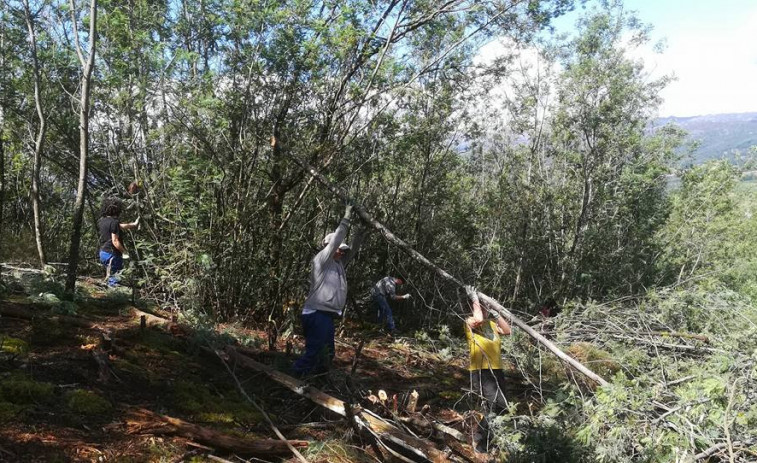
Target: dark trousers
{"x":318,"y":328}
{"x":490,"y":387}
{"x":384,"y":311}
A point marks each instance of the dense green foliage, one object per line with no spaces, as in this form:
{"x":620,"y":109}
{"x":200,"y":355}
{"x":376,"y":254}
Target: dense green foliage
{"x":529,"y":177}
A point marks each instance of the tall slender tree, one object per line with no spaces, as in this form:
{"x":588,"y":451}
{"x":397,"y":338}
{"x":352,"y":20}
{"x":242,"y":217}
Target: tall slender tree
{"x":39,"y":139}
{"x":3,"y":97}
{"x":87,"y":63}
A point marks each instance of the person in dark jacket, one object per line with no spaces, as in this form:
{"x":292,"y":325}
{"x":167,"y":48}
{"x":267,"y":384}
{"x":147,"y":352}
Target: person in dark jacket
{"x":112,"y":248}
{"x":326,"y":298}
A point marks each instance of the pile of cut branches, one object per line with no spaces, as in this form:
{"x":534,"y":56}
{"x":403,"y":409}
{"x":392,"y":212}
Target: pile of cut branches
{"x":682,"y":365}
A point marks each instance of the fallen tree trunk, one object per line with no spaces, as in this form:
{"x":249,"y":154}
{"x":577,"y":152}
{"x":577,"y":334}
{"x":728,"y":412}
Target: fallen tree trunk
{"x":384,"y":430}
{"x":494,"y":305}
{"x":21,"y":269}
{"x":144,"y":421}
{"x":368,"y":219}
{"x":9,"y":309}
{"x":150,"y":319}
{"x":422,"y":423}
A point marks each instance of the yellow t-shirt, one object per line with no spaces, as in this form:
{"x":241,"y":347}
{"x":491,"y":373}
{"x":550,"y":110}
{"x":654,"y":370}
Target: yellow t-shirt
{"x":485,"y":347}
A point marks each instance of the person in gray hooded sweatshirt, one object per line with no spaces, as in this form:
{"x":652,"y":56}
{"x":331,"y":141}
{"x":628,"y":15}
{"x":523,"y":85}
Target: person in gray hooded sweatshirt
{"x":326,"y":298}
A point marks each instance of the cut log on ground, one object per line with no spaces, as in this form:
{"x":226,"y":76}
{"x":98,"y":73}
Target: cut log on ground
{"x":388,"y":433}
{"x":144,"y":421}
{"x":412,"y":402}
{"x":422,"y":423}
{"x":391,"y":237}
{"x":150,"y":319}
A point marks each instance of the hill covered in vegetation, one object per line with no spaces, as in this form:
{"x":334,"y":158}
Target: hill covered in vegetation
{"x":717,"y":135}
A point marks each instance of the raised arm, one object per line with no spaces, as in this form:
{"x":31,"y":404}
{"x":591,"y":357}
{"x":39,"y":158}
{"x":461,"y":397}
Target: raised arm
{"x":339,"y":234}
{"x":502,"y":326}
{"x":478,"y":314}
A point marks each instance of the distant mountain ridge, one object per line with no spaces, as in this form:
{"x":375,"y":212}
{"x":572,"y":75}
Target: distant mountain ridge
{"x":719,"y":135}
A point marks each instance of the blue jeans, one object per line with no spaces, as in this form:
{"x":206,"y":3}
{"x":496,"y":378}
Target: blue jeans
{"x":116,"y":263}
{"x":384,"y":311}
{"x":319,"y":343}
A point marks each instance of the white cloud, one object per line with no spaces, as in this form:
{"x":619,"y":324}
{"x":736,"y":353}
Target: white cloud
{"x":715,"y":66}
{"x":716,"y":71}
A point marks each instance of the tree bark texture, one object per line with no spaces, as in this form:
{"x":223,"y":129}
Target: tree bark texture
{"x":2,"y":179}
{"x":86,"y":82}
{"x":2,"y":137}
{"x":39,"y":141}
{"x":146,"y":422}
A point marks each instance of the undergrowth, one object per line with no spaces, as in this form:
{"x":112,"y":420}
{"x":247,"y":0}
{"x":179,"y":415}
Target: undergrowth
{"x":668,"y":398}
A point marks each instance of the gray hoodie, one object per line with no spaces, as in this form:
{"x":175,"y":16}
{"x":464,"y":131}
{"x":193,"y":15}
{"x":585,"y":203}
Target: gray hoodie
{"x":328,"y":281}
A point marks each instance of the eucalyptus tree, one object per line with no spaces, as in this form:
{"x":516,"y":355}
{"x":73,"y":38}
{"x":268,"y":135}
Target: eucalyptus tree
{"x":130,"y":60}
{"x":87,"y":62}
{"x":605,"y":102}
{"x":579,"y":186}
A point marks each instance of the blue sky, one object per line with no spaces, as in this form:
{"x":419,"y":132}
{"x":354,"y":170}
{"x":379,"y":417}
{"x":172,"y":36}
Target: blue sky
{"x":711,"y":49}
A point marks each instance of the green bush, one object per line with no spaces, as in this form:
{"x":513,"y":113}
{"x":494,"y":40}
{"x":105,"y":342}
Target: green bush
{"x":22,"y":390}
{"x":13,"y":346}
{"x":83,"y":402}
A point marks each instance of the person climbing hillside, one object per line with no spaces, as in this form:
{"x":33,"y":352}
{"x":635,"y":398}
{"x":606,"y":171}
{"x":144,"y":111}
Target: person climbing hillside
{"x":486,"y":376}
{"x":112,"y":248}
{"x":386,"y":288}
{"x":326,"y":298}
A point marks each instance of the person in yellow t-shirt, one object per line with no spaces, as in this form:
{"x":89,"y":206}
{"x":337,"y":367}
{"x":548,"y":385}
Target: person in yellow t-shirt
{"x":486,"y":375}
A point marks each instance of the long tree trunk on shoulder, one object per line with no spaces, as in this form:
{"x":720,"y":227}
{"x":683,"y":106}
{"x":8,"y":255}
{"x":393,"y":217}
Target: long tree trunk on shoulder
{"x":86,"y":81}
{"x":39,"y":141}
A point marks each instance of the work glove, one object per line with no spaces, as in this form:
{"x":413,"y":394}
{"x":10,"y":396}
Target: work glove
{"x":136,"y":223}
{"x":471,"y":292}
{"x":348,"y":210}
{"x":406,"y":296}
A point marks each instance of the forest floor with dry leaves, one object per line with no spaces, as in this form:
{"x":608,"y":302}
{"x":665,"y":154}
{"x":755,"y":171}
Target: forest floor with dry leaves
{"x":74,"y":390}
